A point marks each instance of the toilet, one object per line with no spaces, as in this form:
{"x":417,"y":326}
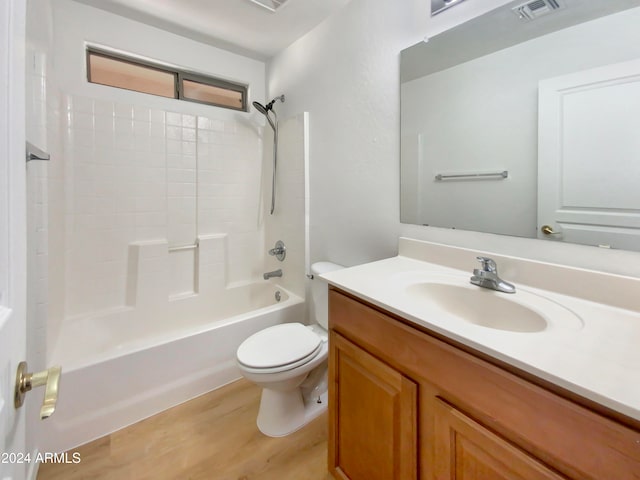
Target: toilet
{"x":289,"y":362}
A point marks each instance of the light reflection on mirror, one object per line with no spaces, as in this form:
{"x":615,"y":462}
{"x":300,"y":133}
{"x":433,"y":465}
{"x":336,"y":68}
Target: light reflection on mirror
{"x":470,"y":104}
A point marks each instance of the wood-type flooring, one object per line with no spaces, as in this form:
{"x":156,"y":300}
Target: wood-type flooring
{"x":212,"y":437}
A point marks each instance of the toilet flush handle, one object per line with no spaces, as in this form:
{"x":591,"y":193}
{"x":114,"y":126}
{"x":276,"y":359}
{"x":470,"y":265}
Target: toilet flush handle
{"x":50,"y":378}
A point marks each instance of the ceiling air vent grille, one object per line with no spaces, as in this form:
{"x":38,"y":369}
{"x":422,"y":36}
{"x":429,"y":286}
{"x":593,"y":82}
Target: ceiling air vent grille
{"x":536,"y":8}
{"x":271,"y":5}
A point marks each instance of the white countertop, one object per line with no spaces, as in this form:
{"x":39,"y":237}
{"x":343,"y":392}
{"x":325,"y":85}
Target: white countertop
{"x":597,"y":356}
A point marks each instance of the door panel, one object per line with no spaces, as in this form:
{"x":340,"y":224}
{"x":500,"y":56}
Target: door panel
{"x":465,"y":450}
{"x":374,"y":425}
{"x":588,"y":147}
{"x":13,"y":238}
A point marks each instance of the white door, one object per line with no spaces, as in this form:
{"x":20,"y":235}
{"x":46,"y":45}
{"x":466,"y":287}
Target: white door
{"x":589,"y":156}
{"x":12,"y":236}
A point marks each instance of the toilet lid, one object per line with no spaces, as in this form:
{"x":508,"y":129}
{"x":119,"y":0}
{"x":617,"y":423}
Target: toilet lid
{"x":278,"y":345}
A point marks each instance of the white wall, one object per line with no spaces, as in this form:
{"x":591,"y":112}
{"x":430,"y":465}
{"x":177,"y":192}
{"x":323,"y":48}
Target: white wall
{"x":346,"y":74}
{"x":77,"y":24}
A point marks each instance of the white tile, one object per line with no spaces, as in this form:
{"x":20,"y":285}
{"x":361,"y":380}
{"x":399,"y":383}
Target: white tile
{"x":189,"y":121}
{"x":141,"y":128}
{"x":230,"y":127}
{"x":83,"y":138}
{"x":204,"y":123}
{"x":157,"y":130}
{"x":141,"y":113}
{"x":82,"y":104}
{"x":103,"y":108}
{"x":103,"y":141}
{"x":123,"y":110}
{"x":204,"y":137}
{"x":174,"y":161}
{"x":174,"y":132}
{"x":188,"y":189}
{"x":158,"y":147}
{"x":188,"y":148}
{"x":104,"y":123}
{"x":217,"y":125}
{"x":141,"y":144}
{"x":173,"y":118}
{"x":174,"y":147}
{"x":123,"y":142}
{"x":174,"y":189}
{"x":189,"y":134}
{"x":123,"y":126}
{"x":67,"y":102}
{"x":189,"y":161}
{"x":156,"y":116}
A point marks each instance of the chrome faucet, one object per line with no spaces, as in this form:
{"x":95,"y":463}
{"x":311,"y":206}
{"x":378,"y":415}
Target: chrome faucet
{"x":279,"y":251}
{"x":487,"y":277}
{"x":275,"y":273}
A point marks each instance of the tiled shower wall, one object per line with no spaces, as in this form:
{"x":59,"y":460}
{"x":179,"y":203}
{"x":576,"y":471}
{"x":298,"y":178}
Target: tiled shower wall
{"x":44,"y":202}
{"x":39,"y":118}
{"x":135,"y":174}
{"x":44,"y":187}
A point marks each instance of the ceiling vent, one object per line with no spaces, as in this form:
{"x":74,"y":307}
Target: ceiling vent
{"x":271,"y":5}
{"x":536,"y":8}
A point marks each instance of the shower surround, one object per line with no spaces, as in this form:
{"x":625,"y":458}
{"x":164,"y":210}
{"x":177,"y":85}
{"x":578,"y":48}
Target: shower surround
{"x":140,"y":180}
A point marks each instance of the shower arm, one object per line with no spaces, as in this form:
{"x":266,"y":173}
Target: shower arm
{"x":275,"y":160}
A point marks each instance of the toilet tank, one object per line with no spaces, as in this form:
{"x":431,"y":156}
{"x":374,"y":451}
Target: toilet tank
{"x":319,"y":292}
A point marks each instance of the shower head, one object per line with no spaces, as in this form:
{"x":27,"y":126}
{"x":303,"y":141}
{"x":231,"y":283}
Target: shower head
{"x":261,"y":108}
{"x":265,"y":109}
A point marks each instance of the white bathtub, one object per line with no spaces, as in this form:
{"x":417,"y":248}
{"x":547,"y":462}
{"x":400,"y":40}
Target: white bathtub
{"x":118,"y":369}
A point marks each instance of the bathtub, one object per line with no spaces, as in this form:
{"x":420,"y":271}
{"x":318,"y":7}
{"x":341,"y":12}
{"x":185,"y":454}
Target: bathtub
{"x":118,"y":369}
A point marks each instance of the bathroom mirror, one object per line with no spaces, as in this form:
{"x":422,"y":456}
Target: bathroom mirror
{"x":527,"y":117}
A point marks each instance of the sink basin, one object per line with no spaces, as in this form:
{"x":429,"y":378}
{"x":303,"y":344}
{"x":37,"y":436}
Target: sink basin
{"x":480,"y":307}
{"x":457,"y":299}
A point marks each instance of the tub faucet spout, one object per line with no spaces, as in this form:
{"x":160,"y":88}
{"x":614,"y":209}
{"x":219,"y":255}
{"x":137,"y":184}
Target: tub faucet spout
{"x":275,"y":273}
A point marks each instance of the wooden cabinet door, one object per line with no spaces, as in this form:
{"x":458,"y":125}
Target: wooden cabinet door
{"x":372,"y":419}
{"x":465,"y":450}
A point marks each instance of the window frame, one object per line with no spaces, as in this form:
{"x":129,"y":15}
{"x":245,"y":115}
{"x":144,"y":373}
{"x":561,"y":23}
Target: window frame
{"x":213,"y":82}
{"x":179,"y":76}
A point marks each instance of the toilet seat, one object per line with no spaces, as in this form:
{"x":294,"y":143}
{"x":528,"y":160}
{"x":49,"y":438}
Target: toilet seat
{"x":279,"y":348}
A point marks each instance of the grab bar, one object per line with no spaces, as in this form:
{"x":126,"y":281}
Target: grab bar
{"x":34,"y":153}
{"x":503,"y":174}
{"x":183,"y":247}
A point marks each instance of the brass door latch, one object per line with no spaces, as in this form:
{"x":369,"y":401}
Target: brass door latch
{"x":548,"y":230}
{"x":50,"y":378}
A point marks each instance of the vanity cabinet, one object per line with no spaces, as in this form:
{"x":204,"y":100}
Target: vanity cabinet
{"x":375,"y":416}
{"x":406,"y":403}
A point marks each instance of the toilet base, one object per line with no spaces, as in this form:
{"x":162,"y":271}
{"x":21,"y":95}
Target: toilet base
{"x":282,"y":413}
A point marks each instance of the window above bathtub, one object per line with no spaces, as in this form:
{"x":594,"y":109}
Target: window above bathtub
{"x":131,"y":73}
